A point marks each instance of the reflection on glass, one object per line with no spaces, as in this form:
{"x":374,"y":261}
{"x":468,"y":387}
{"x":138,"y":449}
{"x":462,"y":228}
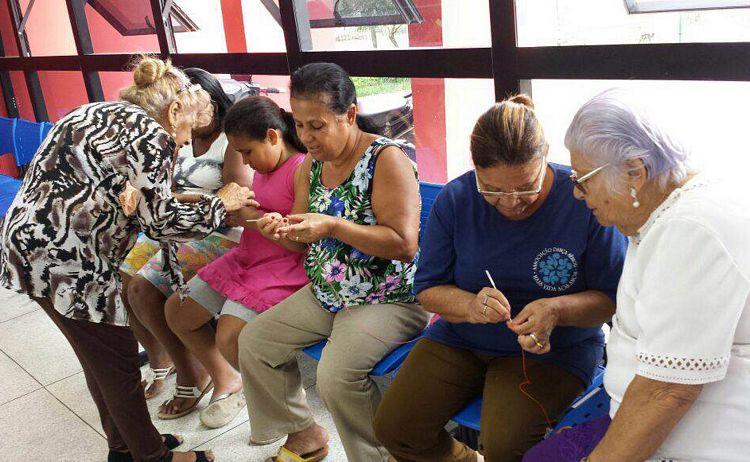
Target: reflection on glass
{"x":390,"y":24}
{"x":121,"y":27}
{"x":432,"y":118}
{"x":48,"y":28}
{"x":599,"y":22}
{"x":715,"y":142}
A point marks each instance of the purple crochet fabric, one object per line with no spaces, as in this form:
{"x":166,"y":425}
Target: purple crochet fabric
{"x":571,"y":445}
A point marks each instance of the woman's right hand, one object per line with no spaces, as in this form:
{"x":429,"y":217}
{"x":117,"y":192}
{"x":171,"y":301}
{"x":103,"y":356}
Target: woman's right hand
{"x":269,"y":225}
{"x":235,"y":197}
{"x":128,"y":199}
{"x":489,"y":306}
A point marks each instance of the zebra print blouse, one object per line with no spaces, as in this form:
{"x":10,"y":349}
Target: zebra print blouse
{"x":65,"y":235}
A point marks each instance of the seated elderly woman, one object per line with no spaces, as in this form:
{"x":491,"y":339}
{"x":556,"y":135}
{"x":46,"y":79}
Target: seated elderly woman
{"x":556,"y":270}
{"x":66,"y":235}
{"x":679,"y":351}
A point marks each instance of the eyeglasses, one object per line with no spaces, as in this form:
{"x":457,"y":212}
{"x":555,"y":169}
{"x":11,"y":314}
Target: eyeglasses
{"x":533,"y":192}
{"x":190,"y":88}
{"x":578,"y":182}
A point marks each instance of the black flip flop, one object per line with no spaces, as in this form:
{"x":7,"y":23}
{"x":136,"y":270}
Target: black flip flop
{"x":200,"y":456}
{"x":170,"y":441}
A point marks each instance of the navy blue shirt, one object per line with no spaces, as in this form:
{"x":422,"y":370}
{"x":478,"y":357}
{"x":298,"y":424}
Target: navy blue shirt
{"x":560,"y":249}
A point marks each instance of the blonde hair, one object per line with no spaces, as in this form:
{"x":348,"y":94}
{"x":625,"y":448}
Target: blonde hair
{"x":508,"y":133}
{"x":157,"y":84}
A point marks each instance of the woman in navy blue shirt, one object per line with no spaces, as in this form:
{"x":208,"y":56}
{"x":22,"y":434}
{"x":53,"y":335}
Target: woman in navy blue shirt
{"x":556,"y":271}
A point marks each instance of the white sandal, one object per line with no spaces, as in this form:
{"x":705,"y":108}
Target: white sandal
{"x":154,"y":375}
{"x":223,"y":409}
{"x":185,"y":392}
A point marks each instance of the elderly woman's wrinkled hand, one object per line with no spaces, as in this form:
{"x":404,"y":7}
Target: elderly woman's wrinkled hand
{"x":534,"y":325}
{"x":489,"y":306}
{"x":235,"y":197}
{"x":308,"y":227}
{"x":269,"y":224}
{"x":128,"y":199}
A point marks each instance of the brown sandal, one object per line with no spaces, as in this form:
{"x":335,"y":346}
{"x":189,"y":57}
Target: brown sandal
{"x":186,"y":392}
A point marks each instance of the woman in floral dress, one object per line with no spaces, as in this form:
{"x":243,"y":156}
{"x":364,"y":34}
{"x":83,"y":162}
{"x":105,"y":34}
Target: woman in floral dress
{"x":358,"y":222}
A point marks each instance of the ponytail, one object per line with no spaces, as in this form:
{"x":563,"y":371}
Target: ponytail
{"x":290,"y":131}
{"x":367,"y":124}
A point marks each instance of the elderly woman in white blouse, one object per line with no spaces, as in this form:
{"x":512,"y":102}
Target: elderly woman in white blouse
{"x":679,"y":350}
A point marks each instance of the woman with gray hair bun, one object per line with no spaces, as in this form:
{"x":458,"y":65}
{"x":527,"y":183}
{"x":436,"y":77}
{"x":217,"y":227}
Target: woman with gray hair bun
{"x":679,"y":350}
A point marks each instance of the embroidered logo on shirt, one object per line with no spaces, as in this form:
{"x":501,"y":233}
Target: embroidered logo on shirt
{"x":555,"y":269}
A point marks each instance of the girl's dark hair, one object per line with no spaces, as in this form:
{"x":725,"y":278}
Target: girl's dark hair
{"x":508,"y":133}
{"x":316,"y":79}
{"x":211,"y":84}
{"x":254,"y":115}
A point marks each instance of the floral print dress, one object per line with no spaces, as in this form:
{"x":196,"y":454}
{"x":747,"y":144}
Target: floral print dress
{"x":342,"y":275}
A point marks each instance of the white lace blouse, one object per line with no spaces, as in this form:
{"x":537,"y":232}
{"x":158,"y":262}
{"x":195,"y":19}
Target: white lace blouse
{"x":683,"y":316}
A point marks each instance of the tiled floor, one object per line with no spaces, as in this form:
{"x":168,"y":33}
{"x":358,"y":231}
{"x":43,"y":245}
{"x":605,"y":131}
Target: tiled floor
{"x":44,"y":400}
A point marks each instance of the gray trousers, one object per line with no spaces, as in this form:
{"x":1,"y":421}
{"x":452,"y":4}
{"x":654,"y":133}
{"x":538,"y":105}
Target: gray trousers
{"x":273,"y":385}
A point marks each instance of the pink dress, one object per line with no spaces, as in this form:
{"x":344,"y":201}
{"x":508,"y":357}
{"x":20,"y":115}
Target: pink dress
{"x":259,"y":273}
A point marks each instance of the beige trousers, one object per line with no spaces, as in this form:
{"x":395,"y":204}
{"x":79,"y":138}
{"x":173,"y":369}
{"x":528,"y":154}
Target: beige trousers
{"x":273,"y":385}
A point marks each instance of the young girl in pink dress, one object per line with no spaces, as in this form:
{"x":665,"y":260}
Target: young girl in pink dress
{"x":248,"y":279}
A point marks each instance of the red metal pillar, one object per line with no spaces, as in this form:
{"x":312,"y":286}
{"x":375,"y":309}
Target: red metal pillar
{"x":429,"y":99}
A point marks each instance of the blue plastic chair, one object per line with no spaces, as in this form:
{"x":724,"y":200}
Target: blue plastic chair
{"x":392,"y":361}
{"x":591,"y":404}
{"x":44,"y":129}
{"x":8,"y":189}
{"x":27,"y":141}
{"x":7,"y":135}
{"x":428,"y":192}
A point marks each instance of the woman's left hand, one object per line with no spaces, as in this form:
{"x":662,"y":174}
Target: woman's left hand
{"x":308,"y":227}
{"x":534,"y":325}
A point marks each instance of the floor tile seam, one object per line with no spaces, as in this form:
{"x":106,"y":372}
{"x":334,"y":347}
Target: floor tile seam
{"x":18,"y":316}
{"x":76,"y":414}
{"x":220,"y":434}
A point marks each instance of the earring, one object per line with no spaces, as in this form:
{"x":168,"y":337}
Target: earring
{"x":633,"y":193}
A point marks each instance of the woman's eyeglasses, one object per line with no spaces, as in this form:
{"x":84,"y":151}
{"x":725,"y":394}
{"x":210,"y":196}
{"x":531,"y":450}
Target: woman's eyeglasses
{"x":533,"y":192}
{"x":578,"y":182}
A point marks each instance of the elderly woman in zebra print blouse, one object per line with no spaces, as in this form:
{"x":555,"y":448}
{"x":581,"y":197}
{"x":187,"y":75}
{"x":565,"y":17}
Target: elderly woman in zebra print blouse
{"x":66,"y":235}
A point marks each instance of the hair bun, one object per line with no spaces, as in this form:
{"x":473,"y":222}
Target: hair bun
{"x":148,"y":70}
{"x":523,"y":100}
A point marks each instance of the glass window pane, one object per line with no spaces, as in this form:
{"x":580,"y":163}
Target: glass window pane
{"x":121,"y":27}
{"x":209,"y":36}
{"x":715,"y":140}
{"x":21,"y":92}
{"x":229,"y":26}
{"x":48,"y":29}
{"x":6,"y":29}
{"x":59,"y":103}
{"x":389,"y":24}
{"x":263,"y":34}
{"x":434,"y":116}
{"x":598,"y":22}
{"x":113,"y":82}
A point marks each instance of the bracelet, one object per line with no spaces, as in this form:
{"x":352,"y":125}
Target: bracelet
{"x":586,"y":459}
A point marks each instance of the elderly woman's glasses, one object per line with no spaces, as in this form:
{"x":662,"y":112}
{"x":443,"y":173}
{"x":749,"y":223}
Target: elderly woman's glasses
{"x":578,"y":182}
{"x":191,"y":88}
{"x":533,"y":192}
